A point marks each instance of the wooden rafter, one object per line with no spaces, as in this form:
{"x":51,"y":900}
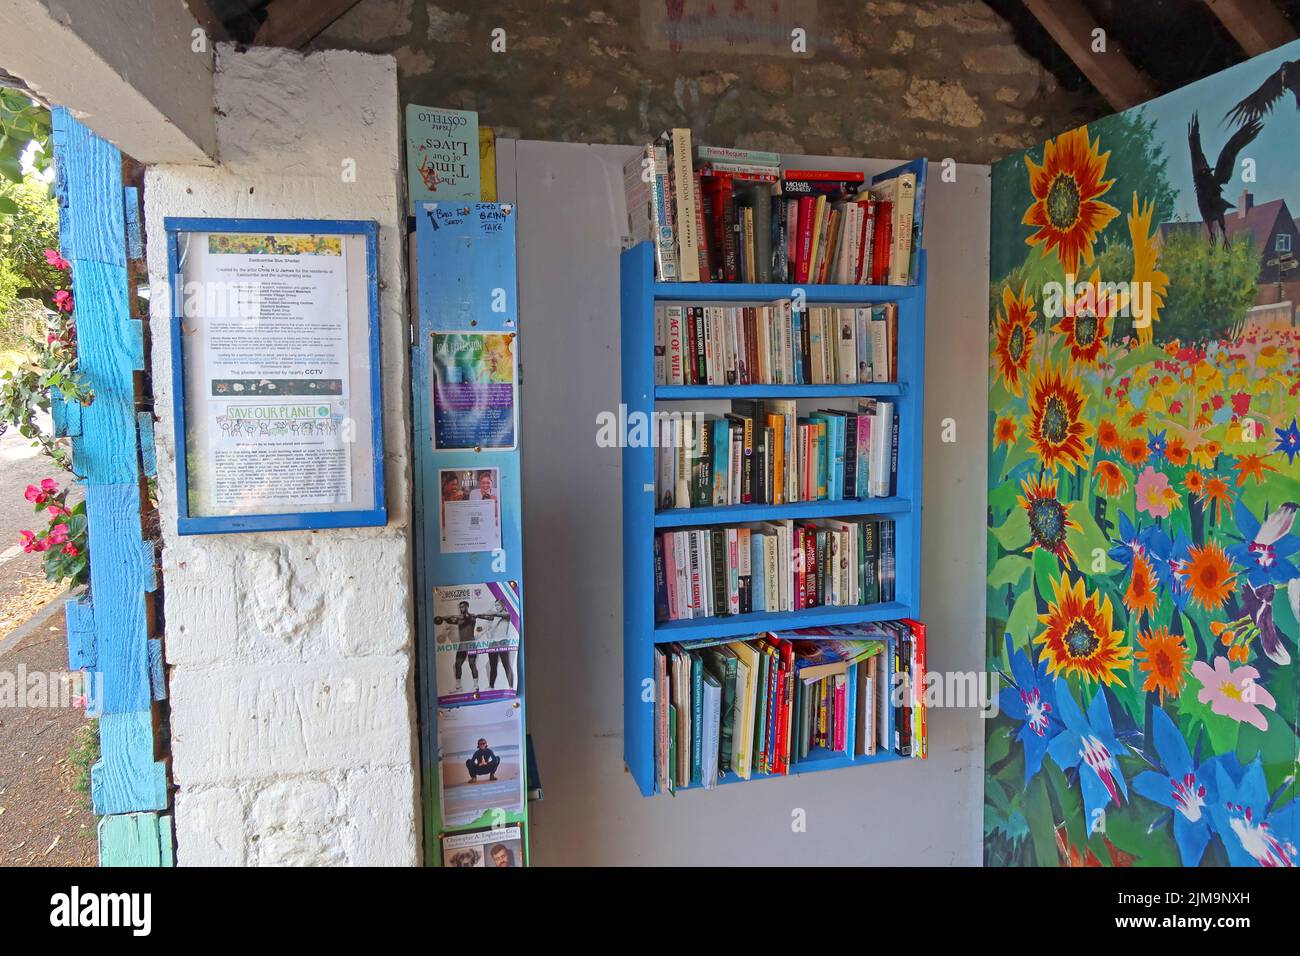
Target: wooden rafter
{"x":201,"y":10}
{"x":1111,"y":72}
{"x":293,"y":23}
{"x":1257,"y":25}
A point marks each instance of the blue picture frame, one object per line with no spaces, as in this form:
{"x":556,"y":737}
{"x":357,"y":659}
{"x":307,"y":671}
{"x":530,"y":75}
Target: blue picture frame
{"x":374,"y":516}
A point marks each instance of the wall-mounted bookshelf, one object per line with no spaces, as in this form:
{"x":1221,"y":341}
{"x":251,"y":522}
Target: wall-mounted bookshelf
{"x":642,"y":518}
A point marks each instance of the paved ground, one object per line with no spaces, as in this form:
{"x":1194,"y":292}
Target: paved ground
{"x":43,"y":822}
{"x":20,"y":466}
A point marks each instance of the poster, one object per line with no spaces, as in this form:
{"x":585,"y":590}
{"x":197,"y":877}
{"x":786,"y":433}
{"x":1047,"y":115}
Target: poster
{"x":469,"y":509}
{"x":474,"y":393}
{"x":476,"y":641}
{"x":275,"y":371}
{"x":482,"y":766}
{"x":502,"y":847}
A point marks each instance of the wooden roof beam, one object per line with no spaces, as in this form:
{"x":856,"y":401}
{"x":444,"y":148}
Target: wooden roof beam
{"x":1111,"y":72}
{"x":294,"y":23}
{"x":1257,"y":25}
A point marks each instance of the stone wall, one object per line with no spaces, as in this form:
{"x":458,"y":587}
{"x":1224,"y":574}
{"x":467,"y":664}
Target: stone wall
{"x":880,"y":78}
{"x":290,"y":655}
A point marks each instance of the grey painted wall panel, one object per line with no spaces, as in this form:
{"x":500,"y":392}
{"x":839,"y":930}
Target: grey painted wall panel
{"x":916,"y":812}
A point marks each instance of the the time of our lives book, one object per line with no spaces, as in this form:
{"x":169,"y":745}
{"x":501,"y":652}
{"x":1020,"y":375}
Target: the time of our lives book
{"x":442,"y":155}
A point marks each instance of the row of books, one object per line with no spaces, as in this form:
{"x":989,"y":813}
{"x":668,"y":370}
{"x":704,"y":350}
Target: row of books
{"x":717,"y":214}
{"x":760,"y":705}
{"x":764,"y":452}
{"x":775,"y":344}
{"x":774,"y":566}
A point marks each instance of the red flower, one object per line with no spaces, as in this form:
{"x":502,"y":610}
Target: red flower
{"x":70,"y":550}
{"x":63,"y":300}
{"x":29,"y":541}
{"x":56,"y":260}
{"x":1240,"y":403}
{"x":59,"y":534}
{"x":33,"y":494}
{"x":1216,"y":401}
{"x":1175,"y":407}
{"x":49,"y":486}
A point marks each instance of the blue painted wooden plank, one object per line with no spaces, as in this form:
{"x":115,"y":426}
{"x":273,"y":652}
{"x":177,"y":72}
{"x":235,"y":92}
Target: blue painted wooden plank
{"x":157,"y":680}
{"x":93,"y":228}
{"x":637,"y":275}
{"x":136,"y":839}
{"x":770,"y":292}
{"x":127,"y":779}
{"x":131,"y":207}
{"x":709,"y":392}
{"x":118,"y":576}
{"x":109,"y":352}
{"x":798,"y":510}
{"x":80,"y":617}
{"x":148,"y":451}
{"x":466,"y":267}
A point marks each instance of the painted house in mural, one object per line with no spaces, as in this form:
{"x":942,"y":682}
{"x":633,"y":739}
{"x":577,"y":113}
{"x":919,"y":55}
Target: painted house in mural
{"x":1273,"y":231}
{"x":1143,"y":548}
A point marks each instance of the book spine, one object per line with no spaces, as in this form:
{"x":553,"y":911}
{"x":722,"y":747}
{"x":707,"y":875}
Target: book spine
{"x":688,"y":239}
{"x":701,"y":236}
{"x":726,"y":154}
{"x":661,"y":345}
{"x":746,"y":171}
{"x":807,"y":211}
{"x":665,"y":239}
{"x":661,"y":582}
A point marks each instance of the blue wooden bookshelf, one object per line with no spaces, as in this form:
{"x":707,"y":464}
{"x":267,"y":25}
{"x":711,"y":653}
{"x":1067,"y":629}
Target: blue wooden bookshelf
{"x":639,"y":294}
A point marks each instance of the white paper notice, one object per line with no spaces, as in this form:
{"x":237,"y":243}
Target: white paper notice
{"x":282,"y":454}
{"x":275,"y":323}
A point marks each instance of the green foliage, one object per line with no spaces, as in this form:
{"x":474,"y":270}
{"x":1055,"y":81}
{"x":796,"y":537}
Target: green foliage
{"x":22,"y":121}
{"x":84,"y":755}
{"x":25,"y":234}
{"x":1211,"y":286}
{"x":64,"y":540}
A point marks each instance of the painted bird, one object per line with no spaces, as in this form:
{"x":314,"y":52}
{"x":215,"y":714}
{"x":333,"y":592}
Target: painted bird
{"x":1209,"y":182}
{"x":1255,"y":106}
{"x":1258,"y":601}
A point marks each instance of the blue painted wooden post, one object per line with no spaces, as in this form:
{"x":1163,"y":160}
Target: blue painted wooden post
{"x":465,"y":255}
{"x":108,"y":633}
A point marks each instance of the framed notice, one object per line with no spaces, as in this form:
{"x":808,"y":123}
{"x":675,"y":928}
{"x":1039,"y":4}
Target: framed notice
{"x":275,"y":372}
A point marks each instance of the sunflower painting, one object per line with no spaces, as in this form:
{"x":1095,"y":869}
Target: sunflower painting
{"x":1144,"y":485}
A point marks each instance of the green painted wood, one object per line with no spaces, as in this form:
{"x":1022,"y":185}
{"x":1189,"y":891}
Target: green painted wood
{"x":136,"y":839}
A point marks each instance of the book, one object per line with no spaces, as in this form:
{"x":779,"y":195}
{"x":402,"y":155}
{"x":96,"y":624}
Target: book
{"x":677,"y":143}
{"x":649,"y":218}
{"x":442,"y":155}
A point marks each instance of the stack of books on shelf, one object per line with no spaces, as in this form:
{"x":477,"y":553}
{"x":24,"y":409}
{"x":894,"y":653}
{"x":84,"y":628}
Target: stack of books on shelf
{"x":763,"y":704}
{"x":776,"y":344}
{"x":774,"y":566}
{"x":765,"y":453}
{"x":716,"y":214}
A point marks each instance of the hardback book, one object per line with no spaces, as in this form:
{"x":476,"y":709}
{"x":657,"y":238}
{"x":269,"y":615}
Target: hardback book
{"x":442,"y":155}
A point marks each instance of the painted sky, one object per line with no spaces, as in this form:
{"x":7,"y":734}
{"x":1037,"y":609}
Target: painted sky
{"x":1275,"y":150}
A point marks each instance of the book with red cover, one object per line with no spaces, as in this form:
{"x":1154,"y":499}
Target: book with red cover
{"x":835,"y":175}
{"x":921,"y":746}
{"x":881,"y":243}
{"x":807,"y":207}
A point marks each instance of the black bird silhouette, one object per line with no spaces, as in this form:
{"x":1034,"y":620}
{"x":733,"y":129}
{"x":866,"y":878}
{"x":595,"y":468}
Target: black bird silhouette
{"x":1262,"y":101}
{"x":1209,"y":182}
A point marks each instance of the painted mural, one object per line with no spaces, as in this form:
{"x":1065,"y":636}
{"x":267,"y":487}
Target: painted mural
{"x":1143,"y":549}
